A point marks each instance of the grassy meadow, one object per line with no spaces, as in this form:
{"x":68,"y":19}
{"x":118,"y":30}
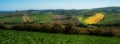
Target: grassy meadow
{"x":40,"y":18}
{"x":24,"y":37}
{"x":111,"y":19}
{"x":14,"y":19}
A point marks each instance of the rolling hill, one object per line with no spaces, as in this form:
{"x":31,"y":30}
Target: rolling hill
{"x":112,"y":15}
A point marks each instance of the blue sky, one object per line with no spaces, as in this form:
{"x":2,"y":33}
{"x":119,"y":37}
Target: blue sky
{"x":55,"y":4}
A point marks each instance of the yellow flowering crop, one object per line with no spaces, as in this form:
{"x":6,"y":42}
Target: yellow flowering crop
{"x":94,"y":19}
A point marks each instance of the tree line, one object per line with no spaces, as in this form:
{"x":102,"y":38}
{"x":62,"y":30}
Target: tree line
{"x":68,"y":28}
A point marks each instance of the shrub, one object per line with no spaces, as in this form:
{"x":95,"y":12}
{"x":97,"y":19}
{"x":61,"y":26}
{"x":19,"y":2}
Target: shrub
{"x":18,"y":27}
{"x":46,"y":27}
{"x":27,"y":27}
{"x":36,"y":27}
{"x":116,"y":32}
{"x":2,"y":26}
{"x":107,"y":32}
{"x":69,"y":27}
{"x":83,"y":31}
{"x":94,"y":30}
{"x":58,"y":28}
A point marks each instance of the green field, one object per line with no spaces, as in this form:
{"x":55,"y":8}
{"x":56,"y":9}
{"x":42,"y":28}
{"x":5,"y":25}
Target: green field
{"x":15,"y":19}
{"x":111,"y":19}
{"x":23,"y":37}
{"x":34,"y":18}
{"x":40,"y":18}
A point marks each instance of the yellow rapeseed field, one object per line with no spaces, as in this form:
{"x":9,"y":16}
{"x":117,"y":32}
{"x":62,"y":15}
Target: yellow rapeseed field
{"x":94,"y":19}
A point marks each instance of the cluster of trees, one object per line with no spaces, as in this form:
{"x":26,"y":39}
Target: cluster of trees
{"x":68,"y":28}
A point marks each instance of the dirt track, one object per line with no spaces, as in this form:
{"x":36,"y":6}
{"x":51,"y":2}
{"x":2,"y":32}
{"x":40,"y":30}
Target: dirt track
{"x":26,"y":18}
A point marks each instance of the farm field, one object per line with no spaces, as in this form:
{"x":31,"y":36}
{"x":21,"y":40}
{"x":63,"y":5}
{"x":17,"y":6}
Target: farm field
{"x":23,"y":37}
{"x":33,"y":18}
{"x":111,"y":19}
{"x":40,"y":18}
{"x":15,"y":19}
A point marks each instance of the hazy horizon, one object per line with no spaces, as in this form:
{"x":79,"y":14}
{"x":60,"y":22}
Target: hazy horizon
{"x":12,"y":5}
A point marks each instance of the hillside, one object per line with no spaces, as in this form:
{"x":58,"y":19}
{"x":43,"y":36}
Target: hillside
{"x":111,"y":19}
{"x":14,"y":19}
{"x":23,"y":37}
{"x":41,"y":18}
{"x":111,"y":14}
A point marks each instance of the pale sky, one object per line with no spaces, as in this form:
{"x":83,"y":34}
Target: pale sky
{"x":8,"y":5}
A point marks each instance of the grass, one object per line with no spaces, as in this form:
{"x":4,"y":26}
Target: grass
{"x":23,"y":37}
{"x":111,"y":19}
{"x":34,"y":18}
{"x":40,"y":18}
{"x":11,"y":19}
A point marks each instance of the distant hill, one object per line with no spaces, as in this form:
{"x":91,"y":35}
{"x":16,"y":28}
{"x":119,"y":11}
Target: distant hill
{"x":112,"y":15}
